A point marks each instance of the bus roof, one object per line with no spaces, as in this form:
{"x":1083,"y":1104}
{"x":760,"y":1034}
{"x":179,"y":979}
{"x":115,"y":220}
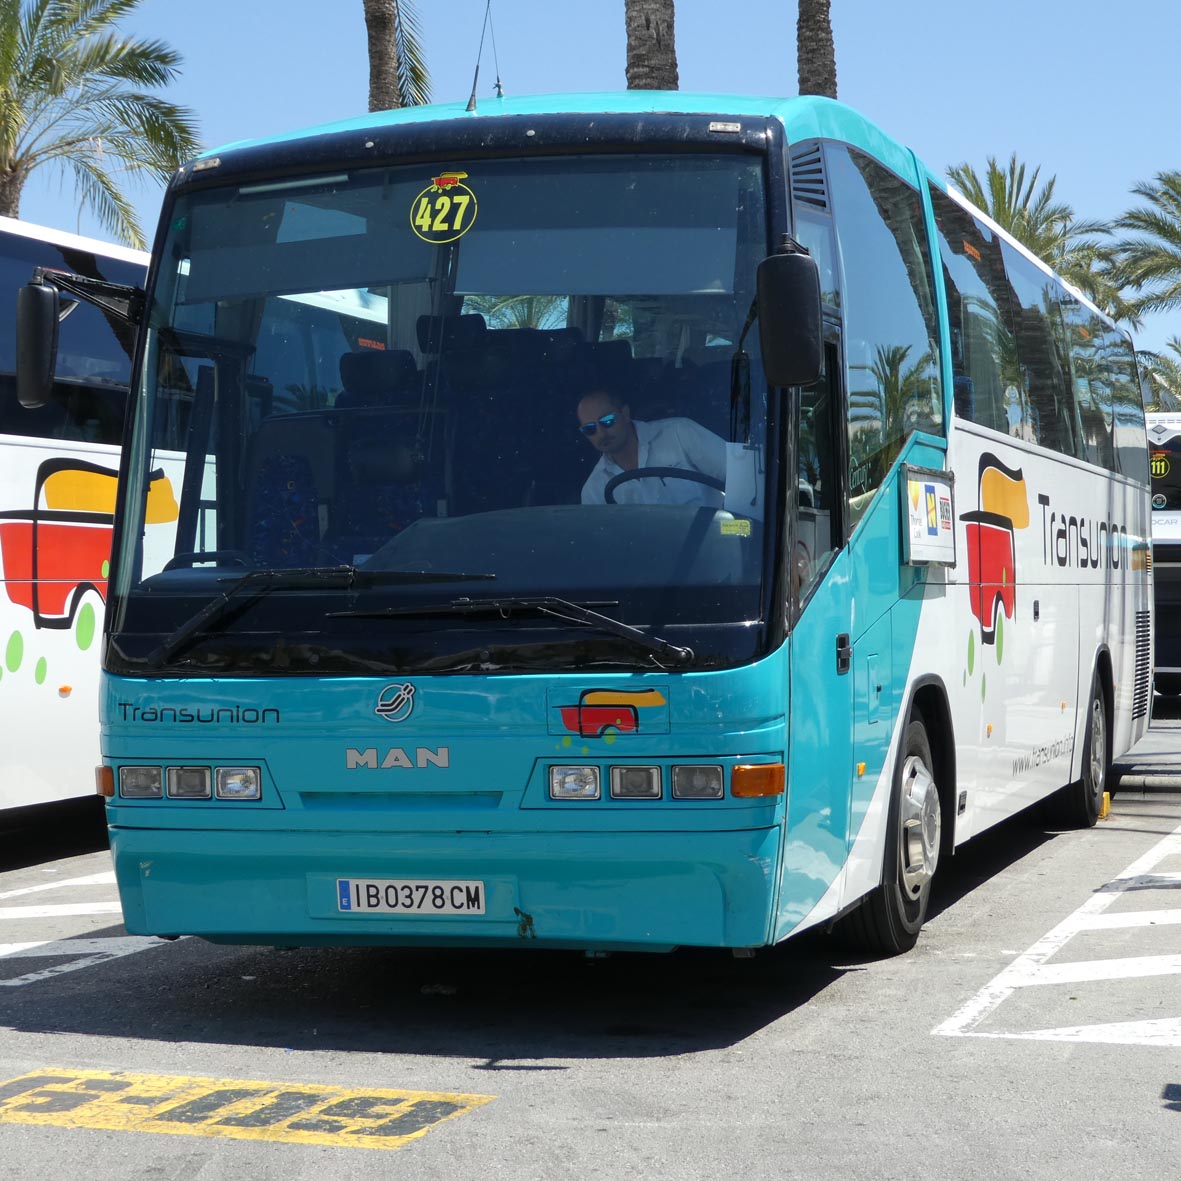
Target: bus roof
{"x":803,"y":117}
{"x":62,"y":238}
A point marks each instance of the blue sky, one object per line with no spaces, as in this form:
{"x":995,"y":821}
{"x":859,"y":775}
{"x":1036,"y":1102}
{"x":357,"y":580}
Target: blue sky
{"x":1085,"y":89}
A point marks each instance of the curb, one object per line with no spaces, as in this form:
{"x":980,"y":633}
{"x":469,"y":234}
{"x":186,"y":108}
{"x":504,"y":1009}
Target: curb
{"x":1147,"y":781}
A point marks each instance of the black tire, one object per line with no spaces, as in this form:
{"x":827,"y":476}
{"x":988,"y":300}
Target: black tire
{"x":1078,"y":804}
{"x":889,"y":919}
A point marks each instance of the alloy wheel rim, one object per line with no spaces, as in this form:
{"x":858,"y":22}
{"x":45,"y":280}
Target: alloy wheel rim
{"x":920,"y":827}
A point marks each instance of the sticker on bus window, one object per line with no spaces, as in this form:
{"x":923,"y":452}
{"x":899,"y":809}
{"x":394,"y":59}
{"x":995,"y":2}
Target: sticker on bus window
{"x":444,"y":210}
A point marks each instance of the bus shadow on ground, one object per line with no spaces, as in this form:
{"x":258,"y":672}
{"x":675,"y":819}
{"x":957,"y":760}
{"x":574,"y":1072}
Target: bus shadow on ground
{"x":51,"y":832}
{"x":506,"y":1009}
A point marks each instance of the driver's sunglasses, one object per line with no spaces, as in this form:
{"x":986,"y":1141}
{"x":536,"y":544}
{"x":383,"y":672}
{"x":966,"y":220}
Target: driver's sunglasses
{"x":589,"y":428}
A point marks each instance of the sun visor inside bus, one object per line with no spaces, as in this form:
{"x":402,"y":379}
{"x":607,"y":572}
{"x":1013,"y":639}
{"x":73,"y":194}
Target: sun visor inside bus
{"x":223,"y":263}
{"x":674,"y":260}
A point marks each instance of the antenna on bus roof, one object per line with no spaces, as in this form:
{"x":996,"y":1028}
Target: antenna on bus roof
{"x":471,"y":102}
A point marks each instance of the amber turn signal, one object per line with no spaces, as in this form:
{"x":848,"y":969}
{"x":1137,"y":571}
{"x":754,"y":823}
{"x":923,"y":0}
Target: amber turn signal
{"x":749,"y":781}
{"x":104,"y":781}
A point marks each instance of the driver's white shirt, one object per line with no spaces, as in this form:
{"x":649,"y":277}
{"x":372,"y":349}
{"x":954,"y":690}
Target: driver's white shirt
{"x":666,"y":442}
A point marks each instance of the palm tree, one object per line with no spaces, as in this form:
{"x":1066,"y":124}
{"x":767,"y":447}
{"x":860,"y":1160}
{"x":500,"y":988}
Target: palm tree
{"x":1162,"y":376}
{"x":519,"y":311}
{"x":651,"y":44}
{"x":76,"y":99}
{"x":398,"y":76}
{"x":1076,"y":249}
{"x":1150,"y":259}
{"x":816,"y":62}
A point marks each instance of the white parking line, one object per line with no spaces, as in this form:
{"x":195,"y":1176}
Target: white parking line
{"x":1031,"y":968}
{"x":83,"y":952}
{"x":64,"y":910}
{"x":106,"y":878}
{"x":96,"y":951}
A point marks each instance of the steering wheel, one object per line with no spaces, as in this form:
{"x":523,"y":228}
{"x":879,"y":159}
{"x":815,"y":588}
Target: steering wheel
{"x":663,"y":473}
{"x":220,"y":557}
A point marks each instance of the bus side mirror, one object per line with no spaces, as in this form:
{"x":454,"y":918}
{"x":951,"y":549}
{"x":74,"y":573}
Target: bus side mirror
{"x":37,"y":308}
{"x":788,"y":289}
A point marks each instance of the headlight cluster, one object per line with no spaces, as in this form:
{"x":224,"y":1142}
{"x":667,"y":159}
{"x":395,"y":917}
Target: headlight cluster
{"x":190,"y":783}
{"x":692,"y":782}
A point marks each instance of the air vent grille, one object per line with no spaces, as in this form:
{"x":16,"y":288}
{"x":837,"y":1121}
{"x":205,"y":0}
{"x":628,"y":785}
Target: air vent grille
{"x":1142,"y":691}
{"x":809,"y":184}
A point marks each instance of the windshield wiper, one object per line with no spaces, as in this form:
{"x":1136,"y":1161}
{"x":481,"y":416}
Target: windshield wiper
{"x":541,"y":605}
{"x":235,"y":599}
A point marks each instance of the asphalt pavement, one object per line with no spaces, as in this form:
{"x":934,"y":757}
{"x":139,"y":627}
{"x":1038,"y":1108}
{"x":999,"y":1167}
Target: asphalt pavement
{"x":1034,"y":1032}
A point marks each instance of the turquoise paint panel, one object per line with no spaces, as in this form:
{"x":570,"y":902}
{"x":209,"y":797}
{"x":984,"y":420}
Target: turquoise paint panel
{"x":874,"y":713}
{"x":820,"y":755}
{"x":573,"y":889}
{"x":350,"y":793}
{"x":889,"y":598}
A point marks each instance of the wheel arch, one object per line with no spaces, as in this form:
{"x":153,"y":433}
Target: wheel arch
{"x":1102,"y":668}
{"x":928,"y":700}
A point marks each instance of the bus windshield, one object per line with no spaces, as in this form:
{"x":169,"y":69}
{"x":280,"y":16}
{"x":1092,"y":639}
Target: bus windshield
{"x":518,"y":403}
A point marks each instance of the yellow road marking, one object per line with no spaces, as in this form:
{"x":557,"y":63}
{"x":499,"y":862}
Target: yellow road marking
{"x":240,"y":1109}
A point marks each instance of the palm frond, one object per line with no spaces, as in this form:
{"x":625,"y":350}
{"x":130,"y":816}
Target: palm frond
{"x":98,"y":190}
{"x":77,"y":94}
{"x":414,"y":80}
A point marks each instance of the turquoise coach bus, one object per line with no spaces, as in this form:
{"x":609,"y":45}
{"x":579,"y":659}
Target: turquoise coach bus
{"x":606,"y":522}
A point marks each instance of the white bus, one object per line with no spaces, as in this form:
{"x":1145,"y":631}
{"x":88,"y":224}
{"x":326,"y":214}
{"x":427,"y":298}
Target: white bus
{"x":58,"y":468}
{"x":1164,"y":447}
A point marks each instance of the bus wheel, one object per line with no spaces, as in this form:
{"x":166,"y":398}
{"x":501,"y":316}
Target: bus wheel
{"x":1078,"y":805}
{"x":889,"y":919}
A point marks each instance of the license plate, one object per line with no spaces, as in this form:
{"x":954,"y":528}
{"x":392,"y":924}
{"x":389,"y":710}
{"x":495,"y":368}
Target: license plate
{"x":408,"y":896}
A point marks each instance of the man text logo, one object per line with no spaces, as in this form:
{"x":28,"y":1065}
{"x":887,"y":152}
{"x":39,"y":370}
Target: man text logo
{"x":397,"y":757}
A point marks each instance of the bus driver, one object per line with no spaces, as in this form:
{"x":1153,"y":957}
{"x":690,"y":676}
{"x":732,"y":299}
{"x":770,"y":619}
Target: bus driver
{"x":626,"y":444}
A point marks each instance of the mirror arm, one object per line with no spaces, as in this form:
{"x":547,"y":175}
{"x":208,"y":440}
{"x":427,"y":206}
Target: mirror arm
{"x":121,"y":300}
{"x":790,"y":245}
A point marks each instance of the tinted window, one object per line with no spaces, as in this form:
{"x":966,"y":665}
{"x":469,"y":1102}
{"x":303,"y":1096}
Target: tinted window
{"x":94,"y":351}
{"x":1029,"y":358}
{"x":1093,"y":390}
{"x":983,"y":342}
{"x":1041,"y":337}
{"x":1131,"y":451}
{"x":890,"y":325}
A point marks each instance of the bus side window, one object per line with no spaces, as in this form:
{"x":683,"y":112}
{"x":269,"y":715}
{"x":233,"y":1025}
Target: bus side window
{"x":891,"y":327}
{"x":818,"y":518}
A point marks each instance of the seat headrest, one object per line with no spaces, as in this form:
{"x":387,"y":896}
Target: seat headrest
{"x":382,"y":461}
{"x":441,"y":334}
{"x":374,"y":374}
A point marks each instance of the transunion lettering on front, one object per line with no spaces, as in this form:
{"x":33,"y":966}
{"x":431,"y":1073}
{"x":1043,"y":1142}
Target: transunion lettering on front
{"x":207,"y":716}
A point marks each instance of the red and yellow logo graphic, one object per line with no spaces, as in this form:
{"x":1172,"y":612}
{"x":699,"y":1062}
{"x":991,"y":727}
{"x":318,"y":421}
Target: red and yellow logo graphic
{"x":992,"y":560}
{"x":60,"y":548}
{"x":603,"y":711}
{"x":445,"y":209}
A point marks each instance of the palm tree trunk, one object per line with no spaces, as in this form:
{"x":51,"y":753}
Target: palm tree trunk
{"x":651,"y":45}
{"x":816,"y":60}
{"x":11,"y":184}
{"x":381,"y":17}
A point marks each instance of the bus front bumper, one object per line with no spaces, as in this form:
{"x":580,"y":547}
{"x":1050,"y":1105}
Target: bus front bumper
{"x":592,"y":891}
